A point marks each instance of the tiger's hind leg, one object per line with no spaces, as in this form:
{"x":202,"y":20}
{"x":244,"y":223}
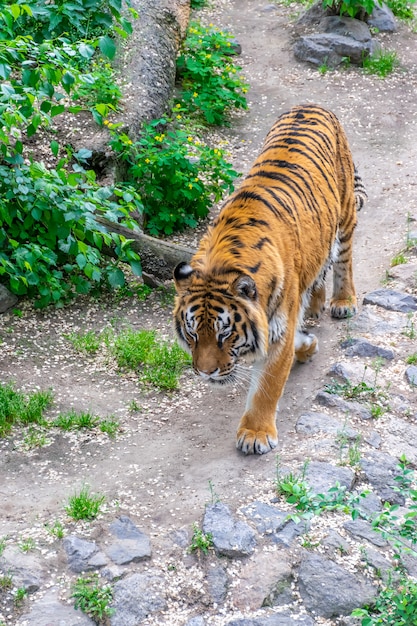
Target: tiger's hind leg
{"x":343,"y":302}
{"x":305,"y":346}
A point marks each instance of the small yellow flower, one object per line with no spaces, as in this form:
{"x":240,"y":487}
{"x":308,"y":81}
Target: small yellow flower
{"x":208,"y":56}
{"x":106,"y":122}
{"x":190,"y":186}
{"x":179,"y":117}
{"x":147,"y":160}
{"x":244,"y":90}
{"x":195,"y":95}
{"x":178,"y":106}
{"x":196,"y":180}
{"x":190,"y":139}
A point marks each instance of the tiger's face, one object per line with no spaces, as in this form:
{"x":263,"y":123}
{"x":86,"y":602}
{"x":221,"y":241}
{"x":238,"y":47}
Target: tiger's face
{"x":216,"y":321}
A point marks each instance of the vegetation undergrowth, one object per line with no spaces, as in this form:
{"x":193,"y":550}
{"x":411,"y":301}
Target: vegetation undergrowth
{"x":52,"y":245}
{"x":395,"y":604}
{"x":92,"y":598}
{"x":17,"y":407}
{"x":84,"y":505}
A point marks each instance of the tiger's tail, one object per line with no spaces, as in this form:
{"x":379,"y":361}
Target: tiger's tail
{"x":360,"y":191}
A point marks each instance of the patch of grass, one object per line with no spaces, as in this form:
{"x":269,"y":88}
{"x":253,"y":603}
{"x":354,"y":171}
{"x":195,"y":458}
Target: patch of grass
{"x":88,"y":341}
{"x":399,"y":259}
{"x":92,"y":598}
{"x":159,"y":362}
{"x":35,"y":438}
{"x":381,"y":64}
{"x":2,"y":545}
{"x":200,"y":541}
{"x":76,"y":420}
{"x":19,"y":408}
{"x":27,"y":544}
{"x":6,"y":581}
{"x":411,"y":359}
{"x":84,"y":506}
{"x":20,"y":596}
{"x":410,"y":330}
{"x":110,"y":426}
{"x":56,"y":529}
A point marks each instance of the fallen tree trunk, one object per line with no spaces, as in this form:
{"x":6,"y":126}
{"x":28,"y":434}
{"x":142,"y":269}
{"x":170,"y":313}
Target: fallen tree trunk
{"x":158,"y":257}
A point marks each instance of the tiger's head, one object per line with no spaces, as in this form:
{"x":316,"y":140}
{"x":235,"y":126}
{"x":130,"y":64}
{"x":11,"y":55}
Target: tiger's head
{"x":218,"y":319}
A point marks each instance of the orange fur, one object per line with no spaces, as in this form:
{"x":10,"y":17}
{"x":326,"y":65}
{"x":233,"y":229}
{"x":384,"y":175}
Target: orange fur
{"x":262,"y":265}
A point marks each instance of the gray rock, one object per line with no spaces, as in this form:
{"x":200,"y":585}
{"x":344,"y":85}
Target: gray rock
{"x":362,"y":347}
{"x":380,"y":470}
{"x":363,"y":529}
{"x":411,"y":375}
{"x":379,"y":563}
{"x":231,"y":537}
{"x":369,"y":322}
{"x":369,"y":505}
{"x":392,"y":300}
{"x":267,"y":518}
{"x":217,"y":583}
{"x":336,"y":542}
{"x":132,"y":545}
{"x":352,"y":372}
{"x":322,"y":476}
{"x":136,"y":597}
{"x":373,"y":439}
{"x":405,"y":273}
{"x":312,"y":423}
{"x":346,"y":27}
{"x":196,"y":621}
{"x":332,"y":400}
{"x":290,"y":531}
{"x":47,"y":611}
{"x":7,"y":299}
{"x":25,"y":568}
{"x":383,"y":19}
{"x":277,"y":619}
{"x":332,"y":49}
{"x":81,"y":553}
{"x":328,"y":590}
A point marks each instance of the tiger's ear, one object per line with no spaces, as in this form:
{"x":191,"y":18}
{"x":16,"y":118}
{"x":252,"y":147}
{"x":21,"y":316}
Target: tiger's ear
{"x":182,"y":275}
{"x":245,"y":287}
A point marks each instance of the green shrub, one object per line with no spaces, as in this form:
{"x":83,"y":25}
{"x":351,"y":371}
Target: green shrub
{"x":209,"y":77}
{"x":178,"y":177}
{"x":92,"y":598}
{"x":19,"y":408}
{"x":51,"y":243}
{"x":381,"y":64}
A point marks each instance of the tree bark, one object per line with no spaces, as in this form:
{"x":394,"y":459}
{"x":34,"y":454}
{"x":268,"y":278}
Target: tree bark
{"x":158,"y":257}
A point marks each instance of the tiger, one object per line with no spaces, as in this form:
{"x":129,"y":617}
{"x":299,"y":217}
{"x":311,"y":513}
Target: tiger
{"x":260,"y":268}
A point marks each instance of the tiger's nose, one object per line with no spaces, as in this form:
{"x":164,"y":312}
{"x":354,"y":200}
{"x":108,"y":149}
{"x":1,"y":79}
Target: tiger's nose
{"x":207,"y":373}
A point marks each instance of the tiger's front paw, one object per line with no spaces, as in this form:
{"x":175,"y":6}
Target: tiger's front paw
{"x":343,"y":308}
{"x":256,"y":442}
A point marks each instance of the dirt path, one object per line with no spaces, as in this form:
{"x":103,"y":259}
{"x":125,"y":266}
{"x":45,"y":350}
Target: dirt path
{"x":159,"y":471}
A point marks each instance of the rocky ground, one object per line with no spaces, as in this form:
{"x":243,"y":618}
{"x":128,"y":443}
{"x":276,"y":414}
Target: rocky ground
{"x":174,"y":463}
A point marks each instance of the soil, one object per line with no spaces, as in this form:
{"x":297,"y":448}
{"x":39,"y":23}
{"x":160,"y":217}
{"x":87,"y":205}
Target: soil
{"x":177,"y":448}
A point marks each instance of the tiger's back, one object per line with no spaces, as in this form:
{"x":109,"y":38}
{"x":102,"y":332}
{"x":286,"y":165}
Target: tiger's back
{"x":262,"y":265}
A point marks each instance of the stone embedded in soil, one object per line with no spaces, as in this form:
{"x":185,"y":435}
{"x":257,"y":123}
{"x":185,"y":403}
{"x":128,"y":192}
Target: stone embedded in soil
{"x":7,"y":299}
{"x":363,"y":529}
{"x":336,"y":543}
{"x":411,"y":375}
{"x":132,"y":544}
{"x":25,"y":568}
{"x":277,"y":619}
{"x":382,"y":566}
{"x":329,"y":590}
{"x":47,"y":611}
{"x":369,"y":504}
{"x":136,"y":597}
{"x":380,"y":470}
{"x":332,"y":400}
{"x":382,"y":18}
{"x":290,"y":531}
{"x":362,"y":347}
{"x":264,"y":580}
{"x":322,"y":476}
{"x":267,"y":518}
{"x":392,"y":300}
{"x":313,"y":422}
{"x":82,"y":555}
{"x":217,"y":583}
{"x":196,"y":621}
{"x":231,"y":537}
{"x":369,"y":322}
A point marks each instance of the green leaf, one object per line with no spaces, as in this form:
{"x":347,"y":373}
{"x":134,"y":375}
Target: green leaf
{"x":136,"y":267}
{"x":107,"y":46}
{"x":54,"y":145}
{"x":85,"y":50}
{"x":116,"y":277}
{"x":5,"y":70}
